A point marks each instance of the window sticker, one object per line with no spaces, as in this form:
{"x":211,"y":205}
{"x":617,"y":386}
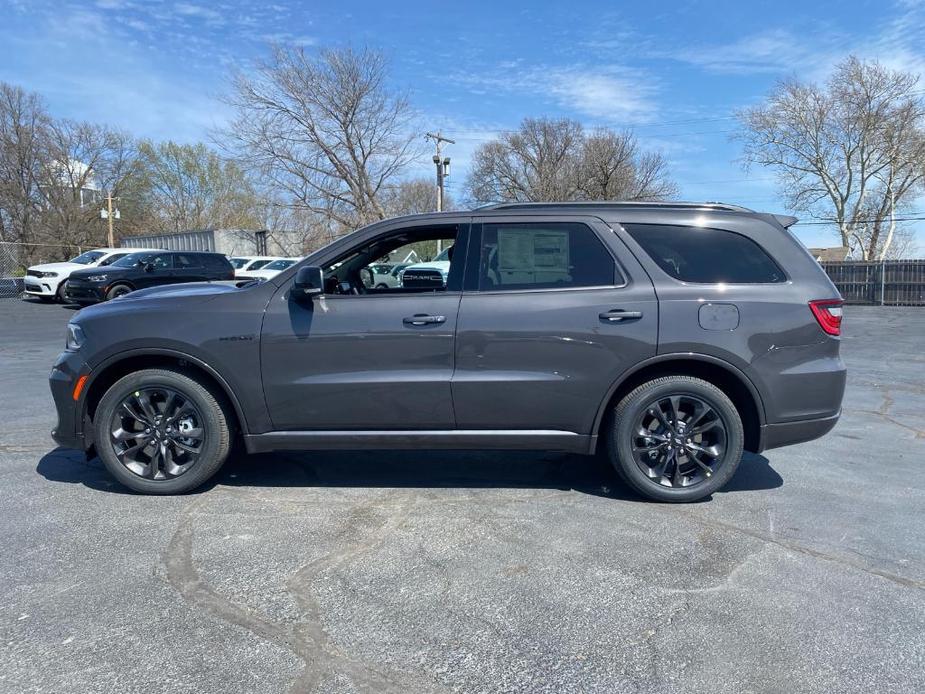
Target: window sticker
{"x":532,"y":257}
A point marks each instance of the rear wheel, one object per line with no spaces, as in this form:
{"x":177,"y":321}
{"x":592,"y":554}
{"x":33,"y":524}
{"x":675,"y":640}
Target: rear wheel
{"x":159,"y":431}
{"x":676,"y":439}
{"x":117,"y":290}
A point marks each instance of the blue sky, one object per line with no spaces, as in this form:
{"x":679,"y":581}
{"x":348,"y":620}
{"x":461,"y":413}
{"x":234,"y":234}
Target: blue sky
{"x":672,"y":71}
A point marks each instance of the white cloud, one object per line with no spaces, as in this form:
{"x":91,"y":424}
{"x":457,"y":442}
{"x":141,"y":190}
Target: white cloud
{"x":611,"y":94}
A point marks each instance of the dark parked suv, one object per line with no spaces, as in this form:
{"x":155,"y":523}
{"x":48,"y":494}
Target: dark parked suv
{"x":146,"y":269}
{"x":669,"y":337}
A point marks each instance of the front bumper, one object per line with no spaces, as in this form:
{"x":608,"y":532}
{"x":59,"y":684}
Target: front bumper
{"x":85,"y":292}
{"x":39,"y":286}
{"x":69,"y":431}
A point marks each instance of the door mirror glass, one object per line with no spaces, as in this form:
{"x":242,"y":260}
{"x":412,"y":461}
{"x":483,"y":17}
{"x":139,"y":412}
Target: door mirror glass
{"x":308,"y":282}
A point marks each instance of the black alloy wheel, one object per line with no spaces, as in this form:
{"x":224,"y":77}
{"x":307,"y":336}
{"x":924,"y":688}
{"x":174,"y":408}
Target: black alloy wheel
{"x":157,"y":433}
{"x":680,"y":441}
{"x":676,"y":439}
{"x":163,"y":431}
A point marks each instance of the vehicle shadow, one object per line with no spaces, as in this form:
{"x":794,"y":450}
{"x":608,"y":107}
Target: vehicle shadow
{"x":591,"y":475}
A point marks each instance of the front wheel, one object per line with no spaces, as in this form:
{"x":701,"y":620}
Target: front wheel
{"x":159,"y":431}
{"x":118,"y":290}
{"x":676,"y":439}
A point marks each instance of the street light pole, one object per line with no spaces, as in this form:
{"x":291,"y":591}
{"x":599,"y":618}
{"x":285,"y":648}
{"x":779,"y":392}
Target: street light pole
{"x":443,"y":165}
{"x":110,"y":215}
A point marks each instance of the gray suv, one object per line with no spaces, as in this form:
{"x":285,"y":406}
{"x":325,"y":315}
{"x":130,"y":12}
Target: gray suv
{"x":668,"y":337}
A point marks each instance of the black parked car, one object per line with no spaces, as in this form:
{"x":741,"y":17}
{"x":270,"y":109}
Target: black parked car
{"x":146,"y":269}
{"x":668,"y":336}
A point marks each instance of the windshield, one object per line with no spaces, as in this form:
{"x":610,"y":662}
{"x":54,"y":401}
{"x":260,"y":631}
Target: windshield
{"x":445,"y":255}
{"x":133,"y":260}
{"x":237,"y":263}
{"x":280,"y":264}
{"x":88,"y":258}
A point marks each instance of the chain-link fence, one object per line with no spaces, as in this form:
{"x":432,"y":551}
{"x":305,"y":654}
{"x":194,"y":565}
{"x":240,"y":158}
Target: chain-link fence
{"x":16,"y":258}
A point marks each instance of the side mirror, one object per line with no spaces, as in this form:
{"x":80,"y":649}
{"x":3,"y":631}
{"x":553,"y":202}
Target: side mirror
{"x":309,"y":281}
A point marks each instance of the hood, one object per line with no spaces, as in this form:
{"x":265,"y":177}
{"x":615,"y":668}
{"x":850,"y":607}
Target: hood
{"x":187,"y":289}
{"x":441,"y":265}
{"x":85,"y":271}
{"x":58,"y":267}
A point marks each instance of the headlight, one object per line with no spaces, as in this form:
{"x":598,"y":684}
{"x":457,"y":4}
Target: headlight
{"x":49,"y":274}
{"x":75,"y":337}
{"x":96,"y":278}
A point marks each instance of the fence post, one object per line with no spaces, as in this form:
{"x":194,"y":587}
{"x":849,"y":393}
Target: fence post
{"x":882,"y":281}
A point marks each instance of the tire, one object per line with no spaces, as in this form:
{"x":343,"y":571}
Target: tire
{"x":61,"y":294}
{"x":695,"y":402}
{"x":117,"y":290}
{"x":209,"y":417}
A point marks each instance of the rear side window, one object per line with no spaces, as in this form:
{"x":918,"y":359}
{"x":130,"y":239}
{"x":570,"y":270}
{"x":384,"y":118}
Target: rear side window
{"x":217,"y":262}
{"x":184,"y":261}
{"x":543,"y":255}
{"x":706,"y":256}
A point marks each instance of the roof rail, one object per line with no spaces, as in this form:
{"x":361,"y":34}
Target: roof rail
{"x":617,"y":203}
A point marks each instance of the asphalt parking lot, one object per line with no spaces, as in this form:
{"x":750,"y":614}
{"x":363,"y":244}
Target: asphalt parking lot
{"x":470,"y":572}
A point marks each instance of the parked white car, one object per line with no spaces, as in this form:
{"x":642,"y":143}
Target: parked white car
{"x":430,"y":274}
{"x":244,"y":266}
{"x":48,"y":281}
{"x":273,"y":269}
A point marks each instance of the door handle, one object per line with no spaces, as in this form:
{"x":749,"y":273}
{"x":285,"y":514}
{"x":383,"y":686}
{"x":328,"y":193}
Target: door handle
{"x":617,"y":315}
{"x":423,"y":319}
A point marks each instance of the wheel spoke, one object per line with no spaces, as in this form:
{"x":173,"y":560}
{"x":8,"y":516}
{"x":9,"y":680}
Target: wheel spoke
{"x":134,"y":414}
{"x":169,"y":403}
{"x":144,"y":401}
{"x":131,"y":450}
{"x":121,"y":434}
{"x":712,"y":451}
{"x":656,"y":411}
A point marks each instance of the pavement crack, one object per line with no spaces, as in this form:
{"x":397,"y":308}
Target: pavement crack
{"x":306,"y":639}
{"x":803,"y":549}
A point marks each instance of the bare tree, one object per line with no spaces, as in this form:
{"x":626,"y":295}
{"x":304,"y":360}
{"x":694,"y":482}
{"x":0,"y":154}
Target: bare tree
{"x":535,"y":163}
{"x":612,"y":168}
{"x":555,"y":159}
{"x":325,"y":130}
{"x":81,"y":162}
{"x":849,"y":151}
{"x":192,"y":187}
{"x":24,"y":124}
{"x":414,"y":196}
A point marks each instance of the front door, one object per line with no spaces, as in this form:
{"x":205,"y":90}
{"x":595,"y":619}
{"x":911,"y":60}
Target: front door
{"x":364,"y":357}
{"x":554,"y":311}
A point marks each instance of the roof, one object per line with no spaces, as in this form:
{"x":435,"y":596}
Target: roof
{"x":836,"y":253}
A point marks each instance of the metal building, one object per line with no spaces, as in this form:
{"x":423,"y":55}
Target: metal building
{"x":227,"y":241}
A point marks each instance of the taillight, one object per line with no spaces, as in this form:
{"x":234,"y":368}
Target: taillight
{"x":828,"y":313}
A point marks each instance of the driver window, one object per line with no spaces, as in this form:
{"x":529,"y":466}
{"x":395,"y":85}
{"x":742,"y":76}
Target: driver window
{"x":412,"y":261}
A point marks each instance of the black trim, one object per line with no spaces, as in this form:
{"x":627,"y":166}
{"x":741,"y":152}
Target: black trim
{"x":456,"y":439}
{"x":789,"y":433}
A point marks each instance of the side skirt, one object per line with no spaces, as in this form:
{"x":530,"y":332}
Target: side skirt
{"x":515,"y":439}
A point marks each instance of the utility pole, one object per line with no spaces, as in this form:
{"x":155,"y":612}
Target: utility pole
{"x":110,"y":214}
{"x":442,"y":163}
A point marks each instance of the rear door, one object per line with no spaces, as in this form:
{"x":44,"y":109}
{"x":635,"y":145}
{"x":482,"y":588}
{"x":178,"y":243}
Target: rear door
{"x":188,"y":267}
{"x":160,"y":272}
{"x":554,"y":310}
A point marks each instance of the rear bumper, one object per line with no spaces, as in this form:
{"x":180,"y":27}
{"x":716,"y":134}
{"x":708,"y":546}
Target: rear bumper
{"x":789,"y":433}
